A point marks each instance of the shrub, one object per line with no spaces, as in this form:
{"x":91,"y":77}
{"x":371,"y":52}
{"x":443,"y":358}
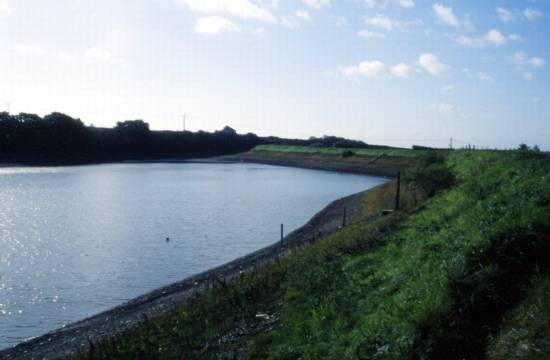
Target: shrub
{"x":432,"y":174}
{"x":347,"y":153}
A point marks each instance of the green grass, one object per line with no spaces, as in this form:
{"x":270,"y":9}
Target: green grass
{"x":310,"y":150}
{"x":525,"y":333}
{"x":434,"y":282}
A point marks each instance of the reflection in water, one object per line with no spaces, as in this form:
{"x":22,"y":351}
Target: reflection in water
{"x":75,"y":241}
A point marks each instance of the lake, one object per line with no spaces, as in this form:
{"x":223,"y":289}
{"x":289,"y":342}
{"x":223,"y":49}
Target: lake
{"x":75,"y":241}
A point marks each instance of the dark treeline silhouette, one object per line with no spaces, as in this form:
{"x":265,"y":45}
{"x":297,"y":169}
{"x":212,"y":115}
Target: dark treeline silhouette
{"x":60,"y":139}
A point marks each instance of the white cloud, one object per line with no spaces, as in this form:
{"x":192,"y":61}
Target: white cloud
{"x":532,"y":14}
{"x":401,"y":70}
{"x":289,"y":23}
{"x":522,"y":60}
{"x":445,"y":15}
{"x":5,"y":8}
{"x":442,"y":107}
{"x":365,"y":68}
{"x":495,"y":37}
{"x":239,"y":8}
{"x":371,"y":3}
{"x":29,"y":49}
{"x":376,"y":68}
{"x":504,"y":14}
{"x":381,"y":21}
{"x":66,"y":58}
{"x":383,"y":4}
{"x":481,"y":76}
{"x":431,"y":64}
{"x":214,"y":25}
{"x":470,"y":41}
{"x":316,"y":4}
{"x":515,"y":37}
{"x":524,"y":64}
{"x":406,"y":3}
{"x":303,"y":15}
{"x":103,"y":55}
{"x":371,"y":34}
{"x":536,"y":62}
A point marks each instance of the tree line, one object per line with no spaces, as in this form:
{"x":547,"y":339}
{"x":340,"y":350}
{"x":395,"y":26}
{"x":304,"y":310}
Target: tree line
{"x":59,"y":138}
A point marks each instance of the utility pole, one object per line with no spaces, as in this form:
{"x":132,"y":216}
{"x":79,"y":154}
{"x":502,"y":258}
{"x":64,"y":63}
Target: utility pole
{"x":184,"y":118}
{"x":398,"y":191}
{"x":451,"y":144}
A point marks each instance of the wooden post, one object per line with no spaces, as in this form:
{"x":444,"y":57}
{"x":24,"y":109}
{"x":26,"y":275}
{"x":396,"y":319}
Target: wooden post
{"x":282,"y":234}
{"x":397,"y":193}
{"x":344,"y":219}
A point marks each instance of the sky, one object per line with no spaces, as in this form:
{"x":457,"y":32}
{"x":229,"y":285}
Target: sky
{"x":396,"y":72}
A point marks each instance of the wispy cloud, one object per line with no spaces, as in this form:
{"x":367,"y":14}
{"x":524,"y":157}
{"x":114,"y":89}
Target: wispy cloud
{"x":377,"y":68}
{"x":431,"y":64}
{"x":212,"y":25}
{"x":317,"y":4}
{"x":525,"y":64}
{"x":366,"y":34}
{"x":479,"y":75}
{"x":5,"y":8}
{"x":30,"y":49}
{"x":406,"y":3}
{"x":385,"y":23}
{"x":383,"y":4}
{"x":508,"y":15}
{"x":504,"y":15}
{"x":239,"y":8}
{"x":402,"y":70}
{"x":66,"y":58}
{"x":368,"y":68}
{"x":442,"y":107}
{"x":382,"y":22}
{"x":97,"y":54}
{"x":493,"y":37}
{"x":446,"y":15}
{"x":303,"y":15}
{"x":532,"y":14}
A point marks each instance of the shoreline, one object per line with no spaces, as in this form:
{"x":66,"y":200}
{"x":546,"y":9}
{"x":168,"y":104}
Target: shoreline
{"x":375,"y":166}
{"x":76,"y":337}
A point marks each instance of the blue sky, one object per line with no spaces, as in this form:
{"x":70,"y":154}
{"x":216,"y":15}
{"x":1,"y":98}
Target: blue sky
{"x":396,"y":72}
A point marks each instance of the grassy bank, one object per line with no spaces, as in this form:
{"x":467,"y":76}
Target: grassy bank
{"x":460,"y":274}
{"x":390,"y":152}
{"x":384,"y":162}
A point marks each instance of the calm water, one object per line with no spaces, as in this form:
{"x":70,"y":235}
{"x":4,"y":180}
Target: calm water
{"x":75,"y":241}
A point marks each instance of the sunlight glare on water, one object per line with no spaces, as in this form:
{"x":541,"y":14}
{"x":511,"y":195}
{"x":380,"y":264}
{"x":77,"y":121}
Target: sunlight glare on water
{"x":75,"y":241}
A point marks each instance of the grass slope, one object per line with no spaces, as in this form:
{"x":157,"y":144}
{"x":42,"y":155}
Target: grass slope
{"x":433,"y":281}
{"x":391,"y":152}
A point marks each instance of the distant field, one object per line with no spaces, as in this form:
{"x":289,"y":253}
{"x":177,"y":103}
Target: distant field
{"x":338,"y":151}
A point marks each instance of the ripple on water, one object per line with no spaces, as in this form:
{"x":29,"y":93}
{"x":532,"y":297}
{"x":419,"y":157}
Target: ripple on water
{"x":79,"y":240}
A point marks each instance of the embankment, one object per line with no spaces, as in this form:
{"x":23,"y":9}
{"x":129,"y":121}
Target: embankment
{"x":377,"y":165}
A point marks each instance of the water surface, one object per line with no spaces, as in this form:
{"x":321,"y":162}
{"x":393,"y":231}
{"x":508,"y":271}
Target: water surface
{"x":75,"y":241}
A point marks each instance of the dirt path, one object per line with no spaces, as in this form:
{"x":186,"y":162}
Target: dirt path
{"x":77,"y":336}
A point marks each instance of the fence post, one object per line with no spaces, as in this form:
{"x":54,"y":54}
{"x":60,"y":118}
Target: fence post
{"x":398,"y":192}
{"x":282,"y":234}
{"x":344,"y":219}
